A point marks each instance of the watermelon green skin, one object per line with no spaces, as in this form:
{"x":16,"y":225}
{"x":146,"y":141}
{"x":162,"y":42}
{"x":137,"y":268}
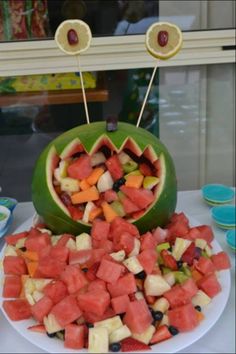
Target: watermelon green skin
{"x":90,"y":135}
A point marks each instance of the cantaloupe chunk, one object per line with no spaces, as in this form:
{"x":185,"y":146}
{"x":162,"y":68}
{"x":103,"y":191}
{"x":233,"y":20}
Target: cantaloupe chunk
{"x":134,"y":181}
{"x":84,"y":185}
{"x":94,"y":176}
{"x":88,"y":195}
{"x":108,"y":212}
{"x":94,"y":213}
{"x":32,"y":267}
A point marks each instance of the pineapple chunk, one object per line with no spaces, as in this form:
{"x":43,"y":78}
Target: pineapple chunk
{"x":133,"y":265}
{"x":98,"y":340}
{"x":55,"y":239}
{"x":136,"y":248}
{"x":118,"y":256}
{"x":123,"y":157}
{"x":20,"y":243}
{"x":10,"y":251}
{"x":111,"y":324}
{"x":180,"y":247}
{"x":51,"y":324}
{"x":150,"y":181}
{"x":71,"y":245}
{"x":165,"y":321}
{"x":146,"y":336}
{"x":83,"y":242}
{"x":170,"y":278}
{"x":61,"y":171}
{"x":30,"y":299}
{"x":69,"y":185}
{"x":155,"y":285}
{"x":161,"y":304}
{"x":199,"y":242}
{"x":119,"y":334}
{"x":208,"y":251}
{"x":201,"y":299}
{"x":37,"y":295}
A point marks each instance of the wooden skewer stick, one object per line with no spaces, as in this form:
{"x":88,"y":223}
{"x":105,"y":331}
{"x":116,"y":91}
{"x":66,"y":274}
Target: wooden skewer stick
{"x":146,"y":96}
{"x":83,"y":90}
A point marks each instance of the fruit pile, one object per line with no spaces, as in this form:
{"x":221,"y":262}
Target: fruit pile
{"x":115,"y":289}
{"x":106,"y":184}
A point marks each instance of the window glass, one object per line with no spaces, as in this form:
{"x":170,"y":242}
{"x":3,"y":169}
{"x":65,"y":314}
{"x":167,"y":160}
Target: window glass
{"x":190,"y":108}
{"x":38,"y":19}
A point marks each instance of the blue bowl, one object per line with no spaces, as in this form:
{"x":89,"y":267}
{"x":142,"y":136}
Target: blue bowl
{"x":9,"y":203}
{"x":224,"y":214}
{"x":231,"y":238}
{"x":217,"y":193}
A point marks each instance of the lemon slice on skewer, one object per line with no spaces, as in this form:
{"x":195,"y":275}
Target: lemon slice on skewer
{"x":163,"y":40}
{"x":73,"y":36}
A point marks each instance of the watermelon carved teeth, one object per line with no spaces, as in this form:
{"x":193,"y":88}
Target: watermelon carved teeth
{"x":88,"y":143}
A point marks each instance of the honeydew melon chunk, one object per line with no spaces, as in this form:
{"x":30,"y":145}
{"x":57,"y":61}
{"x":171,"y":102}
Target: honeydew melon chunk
{"x":119,"y":334}
{"x":146,"y":336}
{"x":97,"y":159}
{"x":133,"y":173}
{"x":37,"y":295}
{"x":83,"y":242}
{"x":123,"y":157}
{"x":133,"y":265}
{"x":165,"y":321}
{"x":105,"y":182}
{"x":98,"y":340}
{"x":170,"y":278}
{"x":55,"y":239}
{"x":201,"y":299}
{"x":118,"y":208}
{"x":180,"y":247}
{"x":111,"y":324}
{"x":150,"y":181}
{"x":71,"y":245}
{"x":129,"y":166}
{"x":69,"y":184}
{"x":161,"y":304}
{"x":61,"y":171}
{"x":155,"y":285}
{"x":136,"y":249}
{"x":162,"y":246}
{"x":208,"y":251}
{"x":201,"y":243}
{"x":139,"y":295}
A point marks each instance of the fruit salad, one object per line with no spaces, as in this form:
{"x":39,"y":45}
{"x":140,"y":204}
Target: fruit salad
{"x":106,"y":184}
{"x":113,"y":289}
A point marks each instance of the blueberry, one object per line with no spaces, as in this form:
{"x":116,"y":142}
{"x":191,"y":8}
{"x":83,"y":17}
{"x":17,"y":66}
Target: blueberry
{"x":23,"y":249}
{"x":179,"y":264}
{"x":141,"y":275}
{"x":89,"y":325}
{"x":51,"y":335}
{"x":198,"y":308}
{"x":173,"y":330}
{"x":85,"y":270}
{"x":118,"y":183}
{"x":157,"y":315}
{"x":115,"y":347}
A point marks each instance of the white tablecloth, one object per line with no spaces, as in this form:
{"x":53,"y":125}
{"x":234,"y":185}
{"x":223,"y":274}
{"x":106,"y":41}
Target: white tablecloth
{"x":219,"y":339}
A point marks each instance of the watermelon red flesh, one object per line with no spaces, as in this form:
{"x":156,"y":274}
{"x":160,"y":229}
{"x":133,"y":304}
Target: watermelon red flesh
{"x":12,"y":239}
{"x":100,"y":230}
{"x":221,"y":261}
{"x":80,"y":168}
{"x":74,"y":278}
{"x":95,"y":301}
{"x":119,"y":225}
{"x":129,"y":206}
{"x":177,"y":296}
{"x":205,"y":265}
{"x":55,"y":214}
{"x":184,"y":318}
{"x":148,"y":259}
{"x":74,"y":336}
{"x":209,"y":284}
{"x":125,"y":242}
{"x":206,"y":233}
{"x":12,"y":286}
{"x":148,"y":241}
{"x":124,"y":286}
{"x":37,"y":243}
{"x":97,"y":284}
{"x":109,"y":271}
{"x":56,"y":291}
{"x":140,"y":197}
{"x":114,"y":167}
{"x":14,"y":265}
{"x":190,"y":287}
{"x":50,"y":268}
{"x":138,"y":317}
{"x":41,"y":308}
{"x":66,"y":311}
{"x":17,"y":310}
{"x":120,"y":303}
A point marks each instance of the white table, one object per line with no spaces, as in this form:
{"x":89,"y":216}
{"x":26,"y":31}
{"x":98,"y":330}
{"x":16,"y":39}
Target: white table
{"x":219,"y":339}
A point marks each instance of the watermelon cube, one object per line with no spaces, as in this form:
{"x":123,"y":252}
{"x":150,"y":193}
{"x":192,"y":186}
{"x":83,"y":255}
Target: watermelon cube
{"x":119,"y":225}
{"x":221,"y":261}
{"x":100,"y":230}
{"x":209,"y":284}
{"x":56,"y":291}
{"x":37,"y":243}
{"x":41,"y":308}
{"x":17,"y":310}
{"x":80,"y":168}
{"x":148,"y":259}
{"x":95,"y":301}
{"x":74,"y":278}
{"x":148,"y":241}
{"x":49,"y":267}
{"x":177,"y":296}
{"x":190,"y":287}
{"x":14,"y":265}
{"x":124,"y":286}
{"x":184,"y":318}
{"x":109,"y":271}
{"x":140,"y":196}
{"x":12,"y":286}
{"x":74,"y":336}
{"x":205,"y":265}
{"x":125,"y":242}
{"x":120,"y":303}
{"x":66,"y":311}
{"x":138,"y":317}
